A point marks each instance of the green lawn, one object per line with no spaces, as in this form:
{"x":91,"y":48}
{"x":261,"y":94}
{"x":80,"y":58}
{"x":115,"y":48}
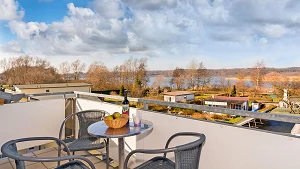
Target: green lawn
{"x":284,"y":111}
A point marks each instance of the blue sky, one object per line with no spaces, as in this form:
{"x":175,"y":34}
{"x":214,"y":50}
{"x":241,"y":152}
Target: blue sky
{"x":47,"y":10}
{"x":170,"y":33}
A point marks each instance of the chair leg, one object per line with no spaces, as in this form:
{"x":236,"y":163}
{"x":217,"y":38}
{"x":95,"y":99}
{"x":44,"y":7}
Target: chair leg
{"x":107,"y":154}
{"x":59,"y":154}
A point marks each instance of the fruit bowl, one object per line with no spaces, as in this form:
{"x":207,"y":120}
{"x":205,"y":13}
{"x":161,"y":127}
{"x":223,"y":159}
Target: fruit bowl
{"x":116,"y":123}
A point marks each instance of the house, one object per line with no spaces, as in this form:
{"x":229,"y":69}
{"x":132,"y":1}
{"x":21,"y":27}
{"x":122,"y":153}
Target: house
{"x":178,"y":96}
{"x":295,"y":100}
{"x":56,"y":87}
{"x":255,"y":105}
{"x":240,"y":103}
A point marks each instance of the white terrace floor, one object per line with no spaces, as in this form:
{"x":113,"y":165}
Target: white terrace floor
{"x":6,"y":163}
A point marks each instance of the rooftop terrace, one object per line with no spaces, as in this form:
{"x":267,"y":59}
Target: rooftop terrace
{"x":226,"y":146}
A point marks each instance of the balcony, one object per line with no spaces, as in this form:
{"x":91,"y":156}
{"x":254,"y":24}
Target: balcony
{"x":226,"y":146}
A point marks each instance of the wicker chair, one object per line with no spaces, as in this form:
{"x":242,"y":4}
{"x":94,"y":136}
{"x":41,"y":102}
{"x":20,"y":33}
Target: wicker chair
{"x":9,"y":149}
{"x":85,"y":141}
{"x":187,"y":156}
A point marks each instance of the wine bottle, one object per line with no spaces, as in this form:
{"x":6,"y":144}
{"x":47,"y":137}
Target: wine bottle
{"x":125,"y":104}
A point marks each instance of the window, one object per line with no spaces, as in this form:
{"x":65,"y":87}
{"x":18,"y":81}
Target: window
{"x":238,"y":106}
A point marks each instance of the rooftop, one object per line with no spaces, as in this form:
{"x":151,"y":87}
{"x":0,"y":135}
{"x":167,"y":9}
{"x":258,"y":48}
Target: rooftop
{"x":178,"y":93}
{"x":55,"y":85}
{"x":225,"y":98}
{"x":295,"y":99}
{"x":226,"y":146}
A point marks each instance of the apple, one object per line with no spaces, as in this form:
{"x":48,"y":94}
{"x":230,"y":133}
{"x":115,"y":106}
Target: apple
{"x":116,"y":115}
{"x":109,"y":117}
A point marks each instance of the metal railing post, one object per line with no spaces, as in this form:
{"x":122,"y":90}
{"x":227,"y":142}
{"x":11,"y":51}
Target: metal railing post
{"x":145,"y":106}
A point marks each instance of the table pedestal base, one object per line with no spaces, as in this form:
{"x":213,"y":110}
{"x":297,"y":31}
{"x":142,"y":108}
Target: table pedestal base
{"x":121,"y":153}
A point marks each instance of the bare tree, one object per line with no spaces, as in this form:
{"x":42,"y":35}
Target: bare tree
{"x":6,"y":65}
{"x":241,"y":83}
{"x":158,"y":81}
{"x":222,"y":81}
{"x":280,"y":84}
{"x":65,"y":69}
{"x":98,"y":75}
{"x":132,"y":74}
{"x":191,"y":74}
{"x":203,"y":77}
{"x":257,"y":74}
{"x":178,"y":77}
{"x":77,"y":68}
{"x":30,"y":70}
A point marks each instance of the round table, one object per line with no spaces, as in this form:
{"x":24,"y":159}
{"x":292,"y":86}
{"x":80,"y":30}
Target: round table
{"x":100,"y":129}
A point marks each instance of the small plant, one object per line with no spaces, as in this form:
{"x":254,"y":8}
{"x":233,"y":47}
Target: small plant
{"x":113,"y":93}
{"x":122,"y":91}
{"x":233,"y":91}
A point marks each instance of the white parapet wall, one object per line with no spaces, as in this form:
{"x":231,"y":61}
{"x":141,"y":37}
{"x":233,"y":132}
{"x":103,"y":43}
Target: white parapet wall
{"x":226,"y":146}
{"x":31,"y":119}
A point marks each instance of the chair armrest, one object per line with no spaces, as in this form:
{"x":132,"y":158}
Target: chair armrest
{"x":5,"y":147}
{"x":201,"y":136}
{"x":54,"y":159}
{"x":71,"y":115}
{"x":148,"y":151}
{"x":63,"y":123}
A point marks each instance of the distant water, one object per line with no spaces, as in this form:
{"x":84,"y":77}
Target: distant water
{"x":213,"y":81}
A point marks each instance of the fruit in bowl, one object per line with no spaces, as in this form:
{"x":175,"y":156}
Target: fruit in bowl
{"x":116,"y":120}
{"x":116,"y":115}
{"x":110,"y":117}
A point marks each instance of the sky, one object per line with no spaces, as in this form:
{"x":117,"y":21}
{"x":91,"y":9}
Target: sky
{"x":169,"y":33}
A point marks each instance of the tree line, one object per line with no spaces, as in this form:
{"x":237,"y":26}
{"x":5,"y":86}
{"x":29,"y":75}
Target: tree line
{"x":131,"y":75}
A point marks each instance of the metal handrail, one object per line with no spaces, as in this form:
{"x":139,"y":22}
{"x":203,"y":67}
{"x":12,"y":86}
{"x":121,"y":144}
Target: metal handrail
{"x":266,"y":116}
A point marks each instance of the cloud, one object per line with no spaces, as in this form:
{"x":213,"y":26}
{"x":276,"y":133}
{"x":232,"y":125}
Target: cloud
{"x":151,"y":5}
{"x":27,"y":31}
{"x":82,"y":32}
{"x":274,"y":31}
{"x":162,"y":28}
{"x":9,"y":10}
{"x":11,"y":47}
{"x":108,"y":8}
{"x":263,"y":40}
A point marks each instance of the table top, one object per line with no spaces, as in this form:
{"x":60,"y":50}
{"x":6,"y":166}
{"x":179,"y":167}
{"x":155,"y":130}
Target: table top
{"x":100,"y":129}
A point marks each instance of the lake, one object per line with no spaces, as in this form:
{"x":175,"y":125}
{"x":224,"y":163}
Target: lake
{"x":213,"y":81}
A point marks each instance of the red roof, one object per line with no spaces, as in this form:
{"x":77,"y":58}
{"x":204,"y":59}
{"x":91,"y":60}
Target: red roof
{"x":225,"y":98}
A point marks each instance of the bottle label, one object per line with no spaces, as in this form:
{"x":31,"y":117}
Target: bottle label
{"x":125,"y":109}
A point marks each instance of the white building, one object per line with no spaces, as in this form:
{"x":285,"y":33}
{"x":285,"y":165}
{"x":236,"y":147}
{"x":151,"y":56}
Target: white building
{"x":295,"y":100}
{"x":240,"y":103}
{"x":255,"y":105}
{"x":56,"y":87}
{"x":178,"y":96}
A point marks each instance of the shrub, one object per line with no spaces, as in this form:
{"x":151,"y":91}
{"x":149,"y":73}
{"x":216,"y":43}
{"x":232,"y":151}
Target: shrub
{"x":113,"y":93}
